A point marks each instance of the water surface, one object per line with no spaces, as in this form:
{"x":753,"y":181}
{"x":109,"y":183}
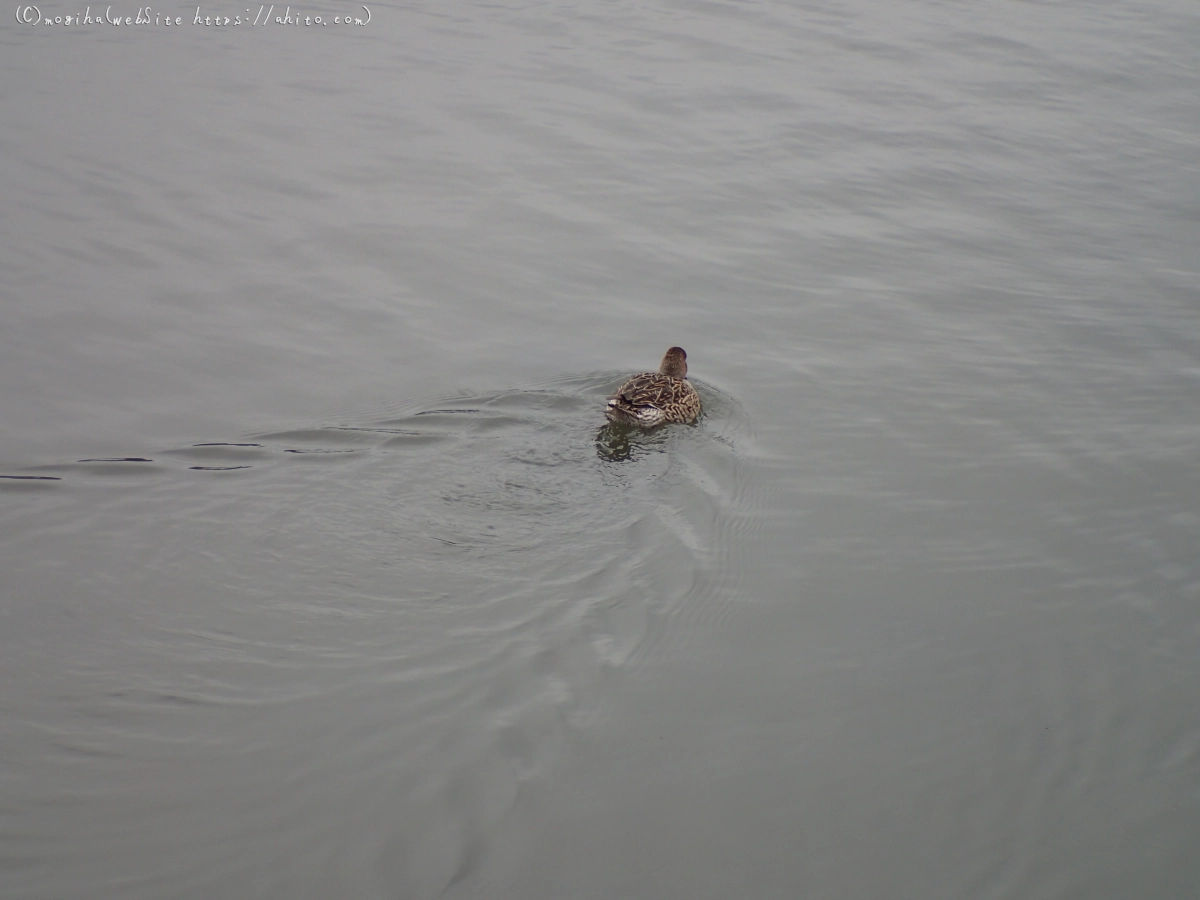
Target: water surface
{"x":318,"y":576}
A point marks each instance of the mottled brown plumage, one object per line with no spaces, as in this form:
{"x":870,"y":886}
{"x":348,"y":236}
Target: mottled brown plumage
{"x":655,"y":398}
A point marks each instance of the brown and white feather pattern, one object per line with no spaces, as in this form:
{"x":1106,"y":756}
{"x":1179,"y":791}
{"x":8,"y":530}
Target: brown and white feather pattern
{"x":656,"y":398}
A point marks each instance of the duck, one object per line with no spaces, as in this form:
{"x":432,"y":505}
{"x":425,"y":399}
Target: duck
{"x":656,"y":398}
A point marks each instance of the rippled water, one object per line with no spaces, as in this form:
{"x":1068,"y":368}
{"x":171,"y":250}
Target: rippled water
{"x":402,"y":618}
{"x":320,"y":574}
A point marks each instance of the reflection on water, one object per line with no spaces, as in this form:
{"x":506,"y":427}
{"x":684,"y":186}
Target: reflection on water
{"x":614,"y":441}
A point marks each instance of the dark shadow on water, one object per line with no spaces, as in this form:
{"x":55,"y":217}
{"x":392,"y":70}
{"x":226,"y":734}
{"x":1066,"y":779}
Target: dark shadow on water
{"x":618,"y":442}
{"x":613,"y":441}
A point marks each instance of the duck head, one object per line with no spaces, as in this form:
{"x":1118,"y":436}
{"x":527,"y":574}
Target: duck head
{"x":674,"y":363}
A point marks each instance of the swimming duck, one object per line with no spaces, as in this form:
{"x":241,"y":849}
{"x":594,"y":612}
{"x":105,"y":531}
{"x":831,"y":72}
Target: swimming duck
{"x":655,"y":398}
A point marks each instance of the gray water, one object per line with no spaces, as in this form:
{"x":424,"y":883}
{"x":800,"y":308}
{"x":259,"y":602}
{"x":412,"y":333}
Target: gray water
{"x":319,"y":578}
